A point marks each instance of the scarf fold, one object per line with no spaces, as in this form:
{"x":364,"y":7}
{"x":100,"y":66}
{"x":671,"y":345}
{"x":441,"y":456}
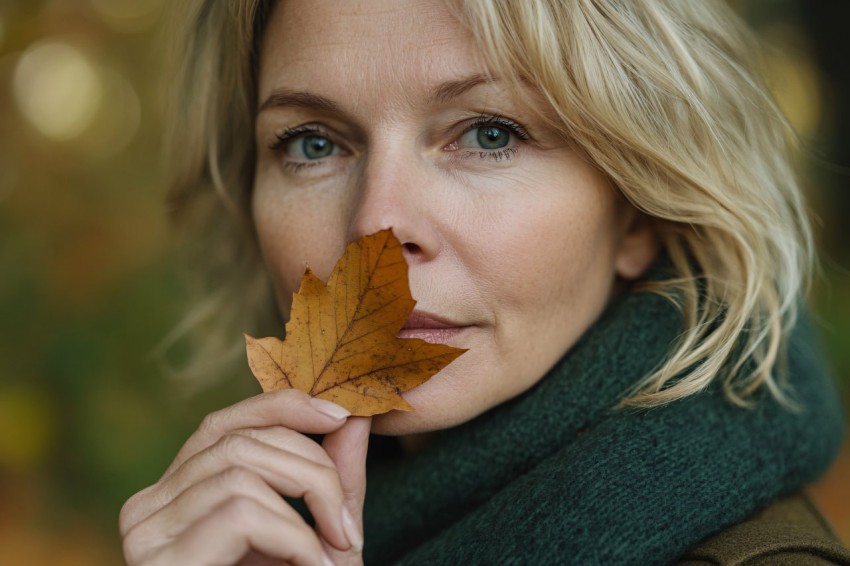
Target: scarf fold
{"x":558,"y":476}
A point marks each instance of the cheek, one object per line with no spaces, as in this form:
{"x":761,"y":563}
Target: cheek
{"x":544,"y":260}
{"x":295,"y":231}
{"x":550,"y":242}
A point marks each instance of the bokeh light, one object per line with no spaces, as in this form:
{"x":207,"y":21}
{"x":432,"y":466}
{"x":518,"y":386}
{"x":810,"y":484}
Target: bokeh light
{"x":128,"y":15}
{"x":57,"y":89}
{"x":117,"y":122}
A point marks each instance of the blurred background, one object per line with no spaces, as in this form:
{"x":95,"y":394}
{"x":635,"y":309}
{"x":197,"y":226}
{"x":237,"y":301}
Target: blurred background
{"x":88,"y":278}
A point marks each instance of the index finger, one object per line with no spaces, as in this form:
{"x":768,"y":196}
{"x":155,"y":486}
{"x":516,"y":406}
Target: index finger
{"x":290,"y":408}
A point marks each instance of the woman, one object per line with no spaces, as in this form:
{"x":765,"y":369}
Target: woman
{"x":594,"y":197}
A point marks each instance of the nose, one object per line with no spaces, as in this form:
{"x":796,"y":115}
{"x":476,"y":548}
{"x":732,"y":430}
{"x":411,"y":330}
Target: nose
{"x":392,"y":192}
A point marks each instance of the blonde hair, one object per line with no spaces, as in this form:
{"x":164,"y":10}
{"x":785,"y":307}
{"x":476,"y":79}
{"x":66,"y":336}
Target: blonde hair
{"x":664,"y":97}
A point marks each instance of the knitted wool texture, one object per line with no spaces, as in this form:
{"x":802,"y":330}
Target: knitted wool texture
{"x":558,"y":476}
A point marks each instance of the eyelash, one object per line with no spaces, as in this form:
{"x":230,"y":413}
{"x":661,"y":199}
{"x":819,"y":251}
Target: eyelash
{"x":501,"y":154}
{"x":290,"y":134}
{"x":495,"y":120}
{"x":517,"y":130}
{"x":281,"y":138}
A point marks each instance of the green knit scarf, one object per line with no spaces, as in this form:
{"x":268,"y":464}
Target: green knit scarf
{"x":556,"y":476}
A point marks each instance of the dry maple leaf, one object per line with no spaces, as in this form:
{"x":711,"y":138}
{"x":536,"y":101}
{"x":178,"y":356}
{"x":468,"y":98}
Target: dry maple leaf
{"x":341,"y":342}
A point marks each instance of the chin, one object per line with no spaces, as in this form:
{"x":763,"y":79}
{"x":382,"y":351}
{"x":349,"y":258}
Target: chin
{"x":437,"y":406}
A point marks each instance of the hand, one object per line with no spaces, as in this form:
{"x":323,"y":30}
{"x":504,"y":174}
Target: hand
{"x":220,"y":501}
{"x":347,"y":448}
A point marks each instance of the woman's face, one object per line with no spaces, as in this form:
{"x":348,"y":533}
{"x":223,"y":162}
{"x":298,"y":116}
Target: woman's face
{"x":380,"y":113}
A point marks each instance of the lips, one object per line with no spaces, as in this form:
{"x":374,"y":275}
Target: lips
{"x":430,"y":328}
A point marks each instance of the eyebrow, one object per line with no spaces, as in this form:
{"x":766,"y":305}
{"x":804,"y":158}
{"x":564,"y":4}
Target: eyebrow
{"x":301,"y":99}
{"x":452,"y":89}
{"x":444,"y":93}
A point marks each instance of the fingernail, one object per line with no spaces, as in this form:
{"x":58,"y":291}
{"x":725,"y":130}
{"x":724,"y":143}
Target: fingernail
{"x":351,"y":531}
{"x":330,"y":409}
{"x":326,"y":560}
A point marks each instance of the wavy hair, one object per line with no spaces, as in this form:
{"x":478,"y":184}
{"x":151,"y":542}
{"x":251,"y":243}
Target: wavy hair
{"x":664,"y":97}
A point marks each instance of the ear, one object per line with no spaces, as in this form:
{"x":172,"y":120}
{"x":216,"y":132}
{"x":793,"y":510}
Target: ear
{"x":639,"y":245}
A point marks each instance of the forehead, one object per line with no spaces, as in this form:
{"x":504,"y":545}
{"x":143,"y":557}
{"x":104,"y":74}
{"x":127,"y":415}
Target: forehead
{"x":384,"y":45}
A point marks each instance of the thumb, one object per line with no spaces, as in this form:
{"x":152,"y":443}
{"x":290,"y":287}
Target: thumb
{"x":347,"y":448}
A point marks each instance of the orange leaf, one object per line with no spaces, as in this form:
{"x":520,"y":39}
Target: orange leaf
{"x":341,"y":342}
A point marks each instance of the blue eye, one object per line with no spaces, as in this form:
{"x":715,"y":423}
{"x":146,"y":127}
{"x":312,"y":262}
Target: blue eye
{"x":304,"y":144}
{"x":486,"y":137}
{"x":492,"y":137}
{"x":315,"y":147}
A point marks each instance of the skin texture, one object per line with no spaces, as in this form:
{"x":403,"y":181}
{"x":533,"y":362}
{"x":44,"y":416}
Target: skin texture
{"x":521,"y":242}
